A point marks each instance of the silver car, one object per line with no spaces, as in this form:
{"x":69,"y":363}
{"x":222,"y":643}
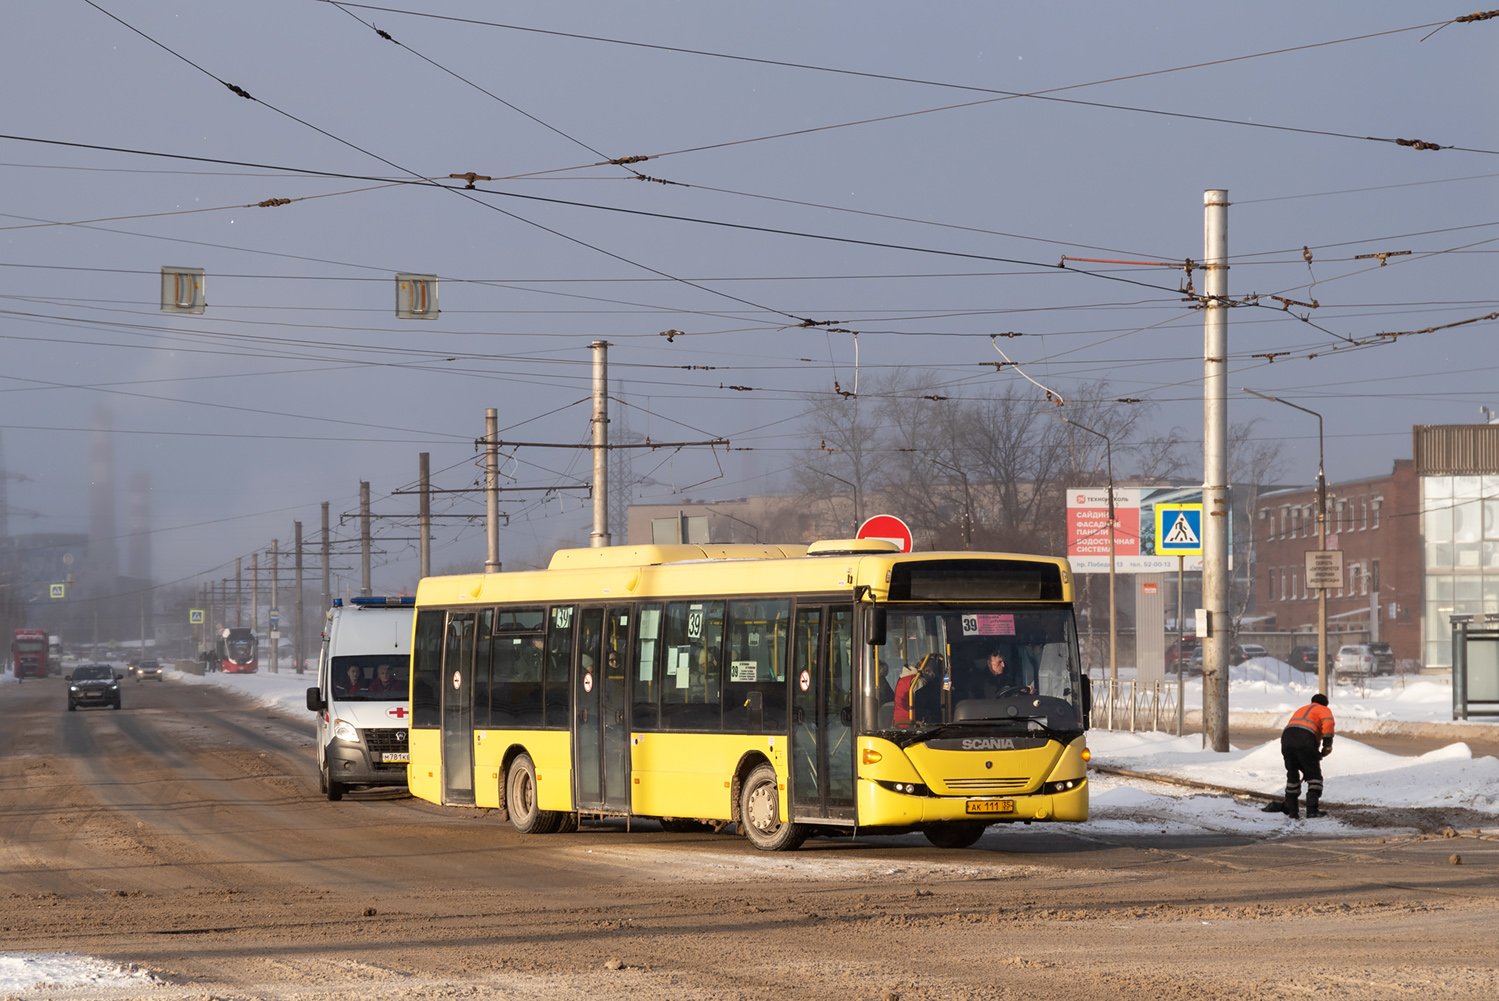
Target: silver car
{"x":1354,"y":658}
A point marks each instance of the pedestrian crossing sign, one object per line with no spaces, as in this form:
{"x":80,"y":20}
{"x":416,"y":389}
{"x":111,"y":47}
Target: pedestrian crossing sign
{"x":59,"y":590}
{"x":1178,"y":529}
{"x":195,"y":616}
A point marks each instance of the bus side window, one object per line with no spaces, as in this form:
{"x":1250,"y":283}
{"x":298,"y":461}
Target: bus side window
{"x":482,"y":652}
{"x":647,"y":713}
{"x":692,"y":675}
{"x":756,"y":664}
{"x":426,"y":668}
{"x":559,"y":659}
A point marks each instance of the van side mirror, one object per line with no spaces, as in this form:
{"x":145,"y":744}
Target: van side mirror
{"x":877,"y":626}
{"x":315,"y":701}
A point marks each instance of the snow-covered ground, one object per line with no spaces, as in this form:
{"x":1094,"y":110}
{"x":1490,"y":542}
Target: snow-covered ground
{"x":29,"y":971}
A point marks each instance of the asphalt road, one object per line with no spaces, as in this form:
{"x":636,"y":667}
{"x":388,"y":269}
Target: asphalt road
{"x":184,"y":833}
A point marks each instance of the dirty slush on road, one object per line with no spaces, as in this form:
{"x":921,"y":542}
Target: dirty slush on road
{"x":185,"y":841}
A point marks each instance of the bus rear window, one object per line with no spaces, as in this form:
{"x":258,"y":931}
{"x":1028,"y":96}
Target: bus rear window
{"x":976,"y":580}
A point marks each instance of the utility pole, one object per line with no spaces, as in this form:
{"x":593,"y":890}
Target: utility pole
{"x":1215,"y":501}
{"x":299,"y":646}
{"x":364,"y":539}
{"x":600,"y":535}
{"x":275,"y":607}
{"x":254,"y":592}
{"x":239,"y":594}
{"x":424,"y":517}
{"x":491,"y":490}
{"x":327,"y":593}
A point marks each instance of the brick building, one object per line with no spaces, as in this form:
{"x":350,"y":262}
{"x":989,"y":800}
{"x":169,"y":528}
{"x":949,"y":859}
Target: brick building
{"x":1375,"y":522}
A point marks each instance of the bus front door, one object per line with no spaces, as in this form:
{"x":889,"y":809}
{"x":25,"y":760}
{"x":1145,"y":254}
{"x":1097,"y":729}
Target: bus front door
{"x":601,"y":719}
{"x":822,"y":731}
{"x":457,"y":710}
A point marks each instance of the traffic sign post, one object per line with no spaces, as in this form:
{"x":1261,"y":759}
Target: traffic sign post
{"x":1324,"y":568}
{"x":1178,"y":529}
{"x":887,"y":527}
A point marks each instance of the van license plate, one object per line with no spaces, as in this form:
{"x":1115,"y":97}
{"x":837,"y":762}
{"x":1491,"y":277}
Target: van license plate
{"x":389,"y":756}
{"x":991,"y":806}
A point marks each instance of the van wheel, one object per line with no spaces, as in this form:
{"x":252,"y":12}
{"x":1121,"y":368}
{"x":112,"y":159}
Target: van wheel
{"x":760,"y":814}
{"x":520,"y":799}
{"x":330,"y":788}
{"x":955,"y":835}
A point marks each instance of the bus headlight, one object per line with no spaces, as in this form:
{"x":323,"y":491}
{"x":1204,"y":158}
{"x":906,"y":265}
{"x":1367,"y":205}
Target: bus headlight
{"x":1066,"y":785}
{"x":344,"y":730}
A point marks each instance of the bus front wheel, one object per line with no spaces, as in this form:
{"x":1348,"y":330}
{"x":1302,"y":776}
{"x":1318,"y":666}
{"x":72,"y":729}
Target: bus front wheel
{"x":520,"y":800}
{"x":760,"y":814}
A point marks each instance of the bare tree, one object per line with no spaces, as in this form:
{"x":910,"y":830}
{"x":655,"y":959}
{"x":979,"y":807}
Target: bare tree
{"x":1253,"y":463}
{"x":840,"y":470}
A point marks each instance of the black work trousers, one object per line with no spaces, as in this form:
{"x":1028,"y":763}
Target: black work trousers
{"x":1300,"y":748}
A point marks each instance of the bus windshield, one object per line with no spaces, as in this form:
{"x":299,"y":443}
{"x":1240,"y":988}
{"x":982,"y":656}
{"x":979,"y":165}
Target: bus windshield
{"x":992,"y":666}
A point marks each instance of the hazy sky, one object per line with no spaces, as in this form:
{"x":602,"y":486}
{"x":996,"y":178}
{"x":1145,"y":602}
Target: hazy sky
{"x":299,"y":381}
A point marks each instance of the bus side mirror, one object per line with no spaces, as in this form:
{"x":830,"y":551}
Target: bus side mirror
{"x":315,"y":700}
{"x":877,"y":619}
{"x":1087,"y":702}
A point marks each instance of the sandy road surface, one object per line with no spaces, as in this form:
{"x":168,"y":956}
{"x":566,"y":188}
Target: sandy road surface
{"x":184,"y":834}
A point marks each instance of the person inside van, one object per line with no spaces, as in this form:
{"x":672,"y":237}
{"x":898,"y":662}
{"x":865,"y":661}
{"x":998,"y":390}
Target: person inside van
{"x":352,"y":683}
{"x":385,"y":682}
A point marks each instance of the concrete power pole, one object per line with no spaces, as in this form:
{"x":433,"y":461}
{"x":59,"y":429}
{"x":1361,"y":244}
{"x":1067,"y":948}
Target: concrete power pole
{"x":275,"y":607}
{"x":1215,"y":500}
{"x":254,"y":592}
{"x":424,"y":517}
{"x":299,"y":646}
{"x":600,"y":535}
{"x":491,"y":490}
{"x":239,"y":594}
{"x":327,"y":548}
{"x":365,"y":540}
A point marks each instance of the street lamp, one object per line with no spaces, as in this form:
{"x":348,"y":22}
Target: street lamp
{"x":1113,"y":633}
{"x":1321,"y":540}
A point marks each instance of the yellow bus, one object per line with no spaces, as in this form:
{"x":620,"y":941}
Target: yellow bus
{"x":836,"y":688}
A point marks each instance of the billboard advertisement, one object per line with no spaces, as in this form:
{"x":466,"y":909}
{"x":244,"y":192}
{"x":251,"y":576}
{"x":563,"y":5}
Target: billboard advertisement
{"x":1135,"y":549}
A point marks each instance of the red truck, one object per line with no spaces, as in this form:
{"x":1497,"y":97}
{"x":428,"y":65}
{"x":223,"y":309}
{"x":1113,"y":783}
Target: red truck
{"x":28,"y":653}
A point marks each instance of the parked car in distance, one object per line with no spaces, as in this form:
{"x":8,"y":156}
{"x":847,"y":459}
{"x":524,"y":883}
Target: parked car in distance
{"x":1187,"y":643}
{"x":1384,"y":658}
{"x":148,"y":669}
{"x":1246,"y":651}
{"x":1194,"y":663}
{"x":1354,"y":658}
{"x":1304,"y":658}
{"x":93,"y":685}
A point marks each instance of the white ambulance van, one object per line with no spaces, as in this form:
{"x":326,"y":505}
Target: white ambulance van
{"x":363,"y":694}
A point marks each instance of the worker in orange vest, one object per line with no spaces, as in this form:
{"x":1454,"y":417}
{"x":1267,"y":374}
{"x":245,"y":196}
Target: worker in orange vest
{"x":1309,"y":725}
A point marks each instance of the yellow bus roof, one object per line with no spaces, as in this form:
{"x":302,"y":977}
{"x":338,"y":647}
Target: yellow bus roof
{"x":630,"y":572}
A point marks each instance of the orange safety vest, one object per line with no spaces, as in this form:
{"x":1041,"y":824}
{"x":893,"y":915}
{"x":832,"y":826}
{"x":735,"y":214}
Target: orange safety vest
{"x":1314,"y":717}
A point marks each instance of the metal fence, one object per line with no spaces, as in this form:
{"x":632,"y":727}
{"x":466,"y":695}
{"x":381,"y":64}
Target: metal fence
{"x":1131,"y":704}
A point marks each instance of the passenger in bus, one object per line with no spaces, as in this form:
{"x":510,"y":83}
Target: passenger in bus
{"x":384,"y":681}
{"x":1000,"y":680}
{"x":352,"y":682}
{"x":918,"y":695}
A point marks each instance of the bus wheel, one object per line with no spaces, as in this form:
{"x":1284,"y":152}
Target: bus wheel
{"x":568,"y":824}
{"x":520,"y":799}
{"x":760,"y":814}
{"x":955,"y":835}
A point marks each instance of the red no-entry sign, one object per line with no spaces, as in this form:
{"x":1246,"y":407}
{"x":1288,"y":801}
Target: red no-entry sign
{"x":889,"y":528}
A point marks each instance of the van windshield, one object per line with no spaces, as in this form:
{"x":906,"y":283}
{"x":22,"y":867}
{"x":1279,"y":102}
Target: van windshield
{"x":371,"y":678}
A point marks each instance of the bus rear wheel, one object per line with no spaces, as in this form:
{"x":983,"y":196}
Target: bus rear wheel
{"x":520,"y":800}
{"x":955,"y":835}
{"x":760,"y":814}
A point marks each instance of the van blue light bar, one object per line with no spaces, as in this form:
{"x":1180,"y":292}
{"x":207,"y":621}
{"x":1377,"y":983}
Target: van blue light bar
{"x":390,"y":601}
